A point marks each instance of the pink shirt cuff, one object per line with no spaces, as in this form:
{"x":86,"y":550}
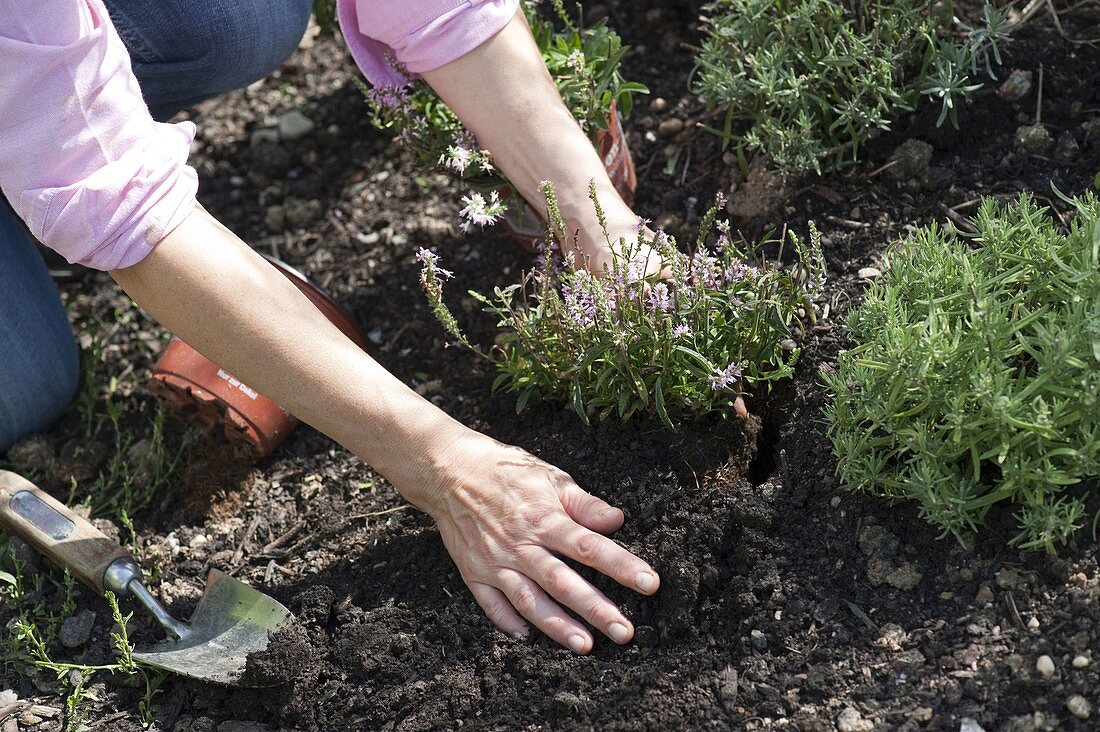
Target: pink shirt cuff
{"x":418,"y":36}
{"x":81,"y":159}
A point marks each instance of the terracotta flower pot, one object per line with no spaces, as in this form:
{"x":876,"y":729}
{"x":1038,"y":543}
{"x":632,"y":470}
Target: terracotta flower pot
{"x":526,"y":225}
{"x":201,"y":392}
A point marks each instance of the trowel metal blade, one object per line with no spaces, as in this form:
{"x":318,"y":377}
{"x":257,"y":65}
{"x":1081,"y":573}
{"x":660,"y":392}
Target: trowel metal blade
{"x":231,"y":621}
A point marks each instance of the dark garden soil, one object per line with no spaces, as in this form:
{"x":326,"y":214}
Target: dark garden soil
{"x":785,"y":602}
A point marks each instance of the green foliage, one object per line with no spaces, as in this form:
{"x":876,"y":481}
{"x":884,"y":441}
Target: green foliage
{"x":324,"y":12}
{"x":583,"y":62}
{"x":676,"y":348}
{"x":806,"y":82}
{"x":975,"y":374}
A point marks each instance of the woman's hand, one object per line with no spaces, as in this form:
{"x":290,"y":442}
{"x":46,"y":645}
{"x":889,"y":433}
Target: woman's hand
{"x":506,"y":517}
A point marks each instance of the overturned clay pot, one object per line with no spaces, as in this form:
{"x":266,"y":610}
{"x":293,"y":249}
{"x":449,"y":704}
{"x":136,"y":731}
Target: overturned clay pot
{"x":201,"y":392}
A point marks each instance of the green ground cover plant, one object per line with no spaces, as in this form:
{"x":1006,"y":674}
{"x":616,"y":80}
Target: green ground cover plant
{"x":723,"y":322}
{"x":807,"y":82}
{"x":974,"y":376}
{"x":584,"y":62}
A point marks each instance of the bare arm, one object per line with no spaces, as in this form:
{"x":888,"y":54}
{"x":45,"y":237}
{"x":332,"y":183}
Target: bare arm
{"x":503,"y":93}
{"x":504,"y":515}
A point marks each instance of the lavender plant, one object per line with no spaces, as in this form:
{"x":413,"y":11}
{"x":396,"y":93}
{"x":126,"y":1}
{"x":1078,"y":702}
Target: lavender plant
{"x":806,"y":82}
{"x":724,"y":322}
{"x":583,"y":62}
{"x":974,"y":376}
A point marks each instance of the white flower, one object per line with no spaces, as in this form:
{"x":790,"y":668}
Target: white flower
{"x":479,"y":211}
{"x":576,"y":61}
{"x":457,"y":158}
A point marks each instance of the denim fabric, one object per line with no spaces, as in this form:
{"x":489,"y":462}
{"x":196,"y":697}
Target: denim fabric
{"x":183,"y":51}
{"x":39,"y":367}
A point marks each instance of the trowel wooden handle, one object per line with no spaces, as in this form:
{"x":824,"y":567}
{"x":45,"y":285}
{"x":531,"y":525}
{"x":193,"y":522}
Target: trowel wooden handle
{"x":50,"y":527}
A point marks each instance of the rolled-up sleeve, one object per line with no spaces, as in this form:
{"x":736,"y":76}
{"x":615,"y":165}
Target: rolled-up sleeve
{"x":386,"y":36}
{"x":81,"y":159}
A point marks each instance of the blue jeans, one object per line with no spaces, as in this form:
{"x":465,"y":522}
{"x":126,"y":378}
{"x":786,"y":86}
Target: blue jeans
{"x":182,"y":51}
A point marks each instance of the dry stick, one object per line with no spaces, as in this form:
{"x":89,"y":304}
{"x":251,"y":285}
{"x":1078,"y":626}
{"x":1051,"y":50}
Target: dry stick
{"x":1061,"y":30}
{"x":966,"y":204}
{"x":879,"y":169}
{"x":958,"y":220}
{"x":395,"y":509}
{"x":279,"y":541}
{"x":1013,"y":612}
{"x":847,"y":223}
{"x":234,"y":562}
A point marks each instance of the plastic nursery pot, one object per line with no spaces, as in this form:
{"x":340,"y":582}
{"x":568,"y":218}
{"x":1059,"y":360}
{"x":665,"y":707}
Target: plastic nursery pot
{"x":201,"y":392}
{"x":524,"y":223}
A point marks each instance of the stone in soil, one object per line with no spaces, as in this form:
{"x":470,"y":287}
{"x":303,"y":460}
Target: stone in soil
{"x":1032,"y":139}
{"x":850,"y":720}
{"x":294,"y":126}
{"x":1045,"y":666}
{"x":911,"y":160}
{"x":1079,"y":706}
{"x":75,"y":629}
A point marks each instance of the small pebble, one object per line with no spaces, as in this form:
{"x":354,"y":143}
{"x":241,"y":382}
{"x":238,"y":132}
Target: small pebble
{"x":1079,"y":706}
{"x":1033,"y":623}
{"x":759,"y":640}
{"x":870,"y":273}
{"x":670,"y":127}
{"x":1045,"y":666}
{"x":1080,"y":662}
{"x":969,"y":724}
{"x":658,"y":105}
{"x":263,"y":136}
{"x":850,"y":720}
{"x":294,"y":125}
{"x":75,"y":629}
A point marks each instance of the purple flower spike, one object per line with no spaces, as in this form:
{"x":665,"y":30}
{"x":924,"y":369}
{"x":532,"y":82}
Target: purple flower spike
{"x":725,"y":378}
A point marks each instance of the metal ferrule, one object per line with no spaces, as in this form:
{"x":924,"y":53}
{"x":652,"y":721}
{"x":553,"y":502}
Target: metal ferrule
{"x":123,"y":577}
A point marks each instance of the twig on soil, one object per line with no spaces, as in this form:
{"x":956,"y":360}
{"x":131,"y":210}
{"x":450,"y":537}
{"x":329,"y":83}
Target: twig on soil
{"x":862,"y":616}
{"x":280,"y":540}
{"x":966,"y":204}
{"x":1062,"y":31}
{"x":395,"y":509}
{"x":958,"y":220}
{"x":234,"y":563}
{"x":882,"y":168}
{"x":847,"y":223}
{"x":1013,"y":613}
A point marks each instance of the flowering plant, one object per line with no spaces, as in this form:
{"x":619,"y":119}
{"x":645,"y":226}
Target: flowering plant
{"x":584,"y":64}
{"x":725,"y":320}
{"x":974,"y":376}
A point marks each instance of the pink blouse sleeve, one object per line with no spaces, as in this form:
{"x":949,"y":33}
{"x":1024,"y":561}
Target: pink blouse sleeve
{"x":81,"y":159}
{"x":420,"y":36}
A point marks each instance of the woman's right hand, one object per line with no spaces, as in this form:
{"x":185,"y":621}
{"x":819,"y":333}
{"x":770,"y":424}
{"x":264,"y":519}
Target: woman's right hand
{"x":507,"y":518}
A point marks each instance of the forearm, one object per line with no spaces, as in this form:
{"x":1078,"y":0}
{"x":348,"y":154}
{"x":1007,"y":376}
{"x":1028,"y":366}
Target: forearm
{"x":210,"y":289}
{"x":504,"y":95}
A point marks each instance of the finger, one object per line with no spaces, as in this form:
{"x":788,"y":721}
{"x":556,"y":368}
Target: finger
{"x":530,"y":601}
{"x":739,"y":407}
{"x":499,"y":610}
{"x":603,"y":554}
{"x":589,"y":511}
{"x":570,"y":589}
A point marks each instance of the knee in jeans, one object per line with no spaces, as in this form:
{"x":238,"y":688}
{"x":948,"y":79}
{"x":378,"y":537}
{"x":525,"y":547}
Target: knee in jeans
{"x":257,"y":37}
{"x":42,"y":392}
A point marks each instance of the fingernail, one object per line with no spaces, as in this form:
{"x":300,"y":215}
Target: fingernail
{"x":618,"y":632}
{"x":645,"y":581}
{"x":577,"y":643}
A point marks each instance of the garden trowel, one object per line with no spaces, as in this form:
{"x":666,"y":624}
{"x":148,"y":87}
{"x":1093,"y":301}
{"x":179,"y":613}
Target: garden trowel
{"x":231,"y":621}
